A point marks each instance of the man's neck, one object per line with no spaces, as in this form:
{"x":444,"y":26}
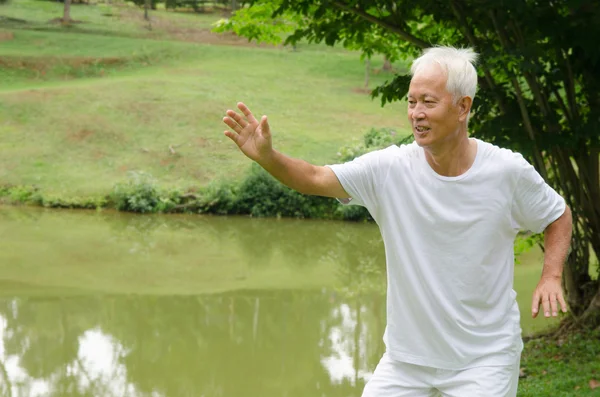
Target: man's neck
{"x":454,"y":158}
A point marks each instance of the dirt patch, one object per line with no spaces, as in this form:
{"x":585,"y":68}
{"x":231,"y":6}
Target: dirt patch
{"x":202,"y":142}
{"x":5,"y":36}
{"x":60,"y":21}
{"x":43,"y":64}
{"x":98,"y":154}
{"x":170,"y":159}
{"x":205,"y":36}
{"x":80,"y":135}
{"x":362,"y":90}
{"x":27,"y":96}
{"x":174,"y":30}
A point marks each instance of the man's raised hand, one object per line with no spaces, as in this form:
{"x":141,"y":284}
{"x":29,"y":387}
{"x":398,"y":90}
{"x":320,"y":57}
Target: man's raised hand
{"x":251,"y":136}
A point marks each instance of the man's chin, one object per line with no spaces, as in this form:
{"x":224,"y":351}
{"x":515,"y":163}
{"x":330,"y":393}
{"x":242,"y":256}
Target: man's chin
{"x":421,"y":140}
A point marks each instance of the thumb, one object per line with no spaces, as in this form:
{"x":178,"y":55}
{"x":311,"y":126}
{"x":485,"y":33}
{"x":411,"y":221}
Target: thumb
{"x":264,"y":127}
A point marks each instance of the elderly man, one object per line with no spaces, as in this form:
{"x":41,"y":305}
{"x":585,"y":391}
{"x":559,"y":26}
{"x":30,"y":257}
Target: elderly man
{"x":449,"y":208}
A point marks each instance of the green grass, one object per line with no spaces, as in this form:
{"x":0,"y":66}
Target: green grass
{"x":75,"y":126}
{"x":562,"y":367}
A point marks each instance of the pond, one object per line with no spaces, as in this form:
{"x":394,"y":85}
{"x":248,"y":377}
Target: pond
{"x":113,"y":304}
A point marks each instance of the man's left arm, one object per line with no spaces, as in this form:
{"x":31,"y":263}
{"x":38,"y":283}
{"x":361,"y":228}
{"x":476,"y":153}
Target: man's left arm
{"x":557,"y":238}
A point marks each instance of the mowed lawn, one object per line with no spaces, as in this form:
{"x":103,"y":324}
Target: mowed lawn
{"x":81,"y":107}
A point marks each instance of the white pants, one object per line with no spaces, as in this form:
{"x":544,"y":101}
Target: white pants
{"x":398,"y":379}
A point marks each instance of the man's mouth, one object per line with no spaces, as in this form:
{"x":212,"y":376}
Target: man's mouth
{"x":421,"y":128}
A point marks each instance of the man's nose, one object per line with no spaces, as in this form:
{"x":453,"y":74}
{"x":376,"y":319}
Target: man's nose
{"x":417,"y":113}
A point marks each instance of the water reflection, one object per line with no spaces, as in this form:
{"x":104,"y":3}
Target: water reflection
{"x":111,"y":304}
{"x":283,"y":343}
{"x":121,"y":253}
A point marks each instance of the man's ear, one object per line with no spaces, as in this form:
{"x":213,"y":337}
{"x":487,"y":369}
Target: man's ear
{"x":464,"y":107}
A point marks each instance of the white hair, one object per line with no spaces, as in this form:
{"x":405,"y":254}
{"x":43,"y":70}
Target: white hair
{"x":457,"y":63}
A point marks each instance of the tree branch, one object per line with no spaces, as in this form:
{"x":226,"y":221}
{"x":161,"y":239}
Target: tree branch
{"x":537,"y":156}
{"x":562,"y":105}
{"x":392,"y":28}
{"x":462,"y":21}
{"x":570,"y":86}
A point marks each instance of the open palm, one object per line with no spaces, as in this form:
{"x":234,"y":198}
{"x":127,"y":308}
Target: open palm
{"x":251,"y":136}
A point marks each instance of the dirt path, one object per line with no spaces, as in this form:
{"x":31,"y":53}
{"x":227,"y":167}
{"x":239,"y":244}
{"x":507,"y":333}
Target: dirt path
{"x":165,"y":27}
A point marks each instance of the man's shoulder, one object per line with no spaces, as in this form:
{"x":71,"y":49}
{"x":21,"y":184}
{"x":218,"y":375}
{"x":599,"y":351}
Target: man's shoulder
{"x":389,"y":153}
{"x":504,"y":158}
{"x":407,"y":151}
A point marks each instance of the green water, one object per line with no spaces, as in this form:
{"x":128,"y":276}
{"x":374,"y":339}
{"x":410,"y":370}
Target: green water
{"x":111,"y":304}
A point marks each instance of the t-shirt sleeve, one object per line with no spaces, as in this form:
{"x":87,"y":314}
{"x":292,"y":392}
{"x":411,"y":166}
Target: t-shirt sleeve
{"x":535,"y":204}
{"x":359,"y":178}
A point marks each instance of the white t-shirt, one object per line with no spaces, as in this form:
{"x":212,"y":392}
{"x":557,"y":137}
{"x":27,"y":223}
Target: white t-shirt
{"x":449,"y":250}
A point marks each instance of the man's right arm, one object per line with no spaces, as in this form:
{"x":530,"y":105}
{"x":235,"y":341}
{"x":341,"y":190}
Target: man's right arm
{"x":302,"y":176}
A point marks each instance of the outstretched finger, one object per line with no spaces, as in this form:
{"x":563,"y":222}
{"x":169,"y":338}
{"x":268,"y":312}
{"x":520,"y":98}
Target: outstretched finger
{"x":264,"y":127}
{"x":232,"y":124}
{"x":238,"y":119}
{"x":535,"y":305}
{"x":246,"y":112}
{"x":234,"y":137}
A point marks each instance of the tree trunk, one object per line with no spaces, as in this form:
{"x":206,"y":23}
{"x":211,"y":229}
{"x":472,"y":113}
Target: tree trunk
{"x":367,"y":73}
{"x":146,"y":7}
{"x":234,"y":5}
{"x":67,"y":12}
{"x":387,"y":65}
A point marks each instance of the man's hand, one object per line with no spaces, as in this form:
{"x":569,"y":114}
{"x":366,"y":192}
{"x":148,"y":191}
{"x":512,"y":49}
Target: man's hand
{"x":549,"y":291}
{"x":252,"y":137}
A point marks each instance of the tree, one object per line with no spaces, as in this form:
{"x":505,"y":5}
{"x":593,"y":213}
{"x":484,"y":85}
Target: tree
{"x":539,"y":89}
{"x":66,"y":19}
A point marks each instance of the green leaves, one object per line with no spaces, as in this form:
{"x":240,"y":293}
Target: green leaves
{"x":393,"y":91}
{"x":261,"y":23}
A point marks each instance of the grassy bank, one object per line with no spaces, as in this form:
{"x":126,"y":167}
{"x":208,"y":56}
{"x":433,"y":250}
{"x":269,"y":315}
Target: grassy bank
{"x":81,"y":107}
{"x":568,"y":366}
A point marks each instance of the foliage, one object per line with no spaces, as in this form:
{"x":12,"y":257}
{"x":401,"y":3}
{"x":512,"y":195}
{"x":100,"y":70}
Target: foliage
{"x":142,"y":3}
{"x":524,"y":243}
{"x":17,"y":194}
{"x":539,"y":86}
{"x":261,"y":195}
{"x":376,"y":138}
{"x":256,"y":23}
{"x":196,"y":5}
{"x":141,"y":194}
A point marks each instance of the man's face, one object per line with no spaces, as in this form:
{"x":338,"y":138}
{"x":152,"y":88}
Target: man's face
{"x":434,"y":117}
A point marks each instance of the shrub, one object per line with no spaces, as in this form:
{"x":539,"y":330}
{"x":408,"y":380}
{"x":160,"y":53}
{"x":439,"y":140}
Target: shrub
{"x":262,"y":195}
{"x":140,"y":194}
{"x":373,"y":140}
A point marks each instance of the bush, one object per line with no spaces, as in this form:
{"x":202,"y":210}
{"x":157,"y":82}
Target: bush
{"x":140,"y":194}
{"x":373,"y":140}
{"x":261,"y":195}
{"x":219,"y":199}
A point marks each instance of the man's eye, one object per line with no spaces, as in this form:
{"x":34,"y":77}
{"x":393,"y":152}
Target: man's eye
{"x":429,"y":102}
{"x":412,"y":102}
